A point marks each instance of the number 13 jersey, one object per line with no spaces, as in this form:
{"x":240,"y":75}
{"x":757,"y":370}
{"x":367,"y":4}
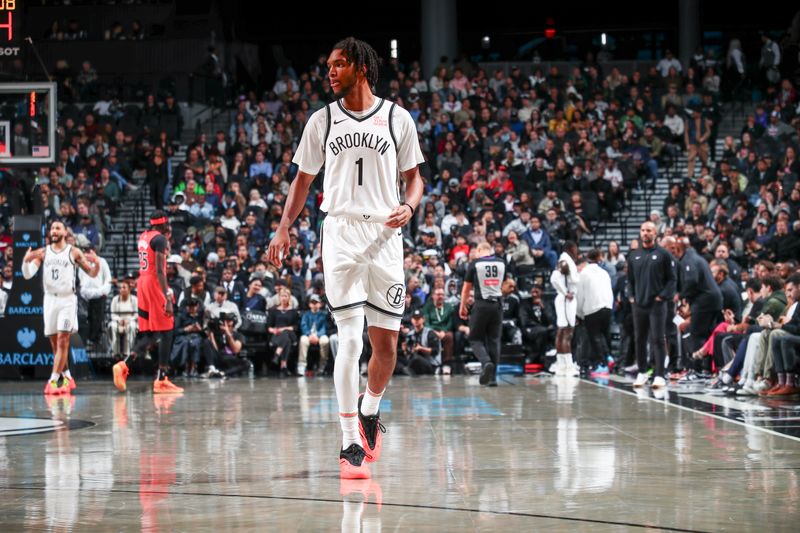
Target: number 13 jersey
{"x":363,"y":153}
{"x":58,"y":271}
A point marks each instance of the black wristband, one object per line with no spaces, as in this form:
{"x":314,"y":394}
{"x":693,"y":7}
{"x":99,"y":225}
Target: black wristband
{"x":409,"y":206}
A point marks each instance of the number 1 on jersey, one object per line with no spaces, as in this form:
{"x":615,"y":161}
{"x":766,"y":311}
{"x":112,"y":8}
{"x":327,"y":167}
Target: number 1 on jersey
{"x":360,"y":165}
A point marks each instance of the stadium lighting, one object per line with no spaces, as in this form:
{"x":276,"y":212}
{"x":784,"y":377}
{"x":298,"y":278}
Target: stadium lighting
{"x":393,"y":47}
{"x":603,"y":39}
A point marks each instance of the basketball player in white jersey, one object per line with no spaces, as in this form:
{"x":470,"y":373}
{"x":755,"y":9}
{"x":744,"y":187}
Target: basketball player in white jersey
{"x":565,"y":281}
{"x":365,"y":144}
{"x":59,"y":261}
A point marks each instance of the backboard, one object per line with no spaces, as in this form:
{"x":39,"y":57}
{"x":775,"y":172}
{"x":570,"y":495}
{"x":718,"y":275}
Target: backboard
{"x":27,"y":123}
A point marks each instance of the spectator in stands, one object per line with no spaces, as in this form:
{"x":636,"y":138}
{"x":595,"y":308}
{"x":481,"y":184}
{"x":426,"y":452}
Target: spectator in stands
{"x":86,"y":226}
{"x":116,"y":33}
{"x":283,"y":323}
{"x":261,"y":166}
{"x":770,"y":60}
{"x":540,"y":243}
{"x":224,"y":348}
{"x":675,"y":126}
{"x":420,"y":349}
{"x":137,"y":31}
{"x":73,"y":31}
{"x":110,"y":189}
{"x":235,"y":289}
{"x":196,"y":289}
{"x":783,"y":345}
{"x":190,"y":339}
{"x":171,"y":108}
{"x":157,"y":177}
{"x":697,"y":132}
{"x":86,"y":81}
{"x":783,"y":245}
{"x":313,"y":332}
{"x":518,"y":252}
{"x":123,"y":325}
{"x":254,"y":299}
{"x":201,"y":209}
{"x":440,"y":318}
{"x":220,"y":304}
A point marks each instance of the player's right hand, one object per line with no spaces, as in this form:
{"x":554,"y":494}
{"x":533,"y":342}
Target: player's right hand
{"x":279,"y":246}
{"x":30,"y":255}
{"x":168,"y":307}
{"x":463,"y":313}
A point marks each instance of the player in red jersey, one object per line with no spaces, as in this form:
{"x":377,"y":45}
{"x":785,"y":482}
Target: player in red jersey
{"x":156,"y":320}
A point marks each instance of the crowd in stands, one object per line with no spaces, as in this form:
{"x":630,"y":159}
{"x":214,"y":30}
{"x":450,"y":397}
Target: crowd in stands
{"x":526,"y":162}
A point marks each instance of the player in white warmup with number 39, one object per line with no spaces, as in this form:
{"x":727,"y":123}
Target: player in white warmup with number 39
{"x":58,"y":262}
{"x":365,"y":143}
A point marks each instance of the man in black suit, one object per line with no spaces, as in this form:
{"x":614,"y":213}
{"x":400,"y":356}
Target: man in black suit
{"x":235,"y":288}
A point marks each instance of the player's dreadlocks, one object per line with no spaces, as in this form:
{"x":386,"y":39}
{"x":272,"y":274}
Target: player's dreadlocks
{"x":361,"y":55}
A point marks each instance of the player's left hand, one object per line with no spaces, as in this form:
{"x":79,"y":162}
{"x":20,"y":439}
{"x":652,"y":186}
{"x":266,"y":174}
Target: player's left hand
{"x":463,"y":313}
{"x":399,"y":216}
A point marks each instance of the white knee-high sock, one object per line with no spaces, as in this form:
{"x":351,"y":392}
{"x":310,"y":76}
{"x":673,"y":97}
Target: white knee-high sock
{"x":345,"y":376}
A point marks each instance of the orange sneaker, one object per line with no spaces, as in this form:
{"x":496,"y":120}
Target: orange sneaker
{"x":165,"y":386}
{"x":71,"y":381}
{"x":121,"y":375}
{"x":370,"y":429}
{"x":352,"y":463}
{"x":52,"y":388}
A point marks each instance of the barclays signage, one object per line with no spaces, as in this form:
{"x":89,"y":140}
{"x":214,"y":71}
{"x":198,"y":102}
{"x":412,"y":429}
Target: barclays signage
{"x":26,"y":359}
{"x":24,"y":309}
{"x":26,"y":242}
{"x":26,"y":338}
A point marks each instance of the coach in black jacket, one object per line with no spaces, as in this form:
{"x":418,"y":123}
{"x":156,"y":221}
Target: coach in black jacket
{"x":651,"y":283}
{"x":697,"y":286}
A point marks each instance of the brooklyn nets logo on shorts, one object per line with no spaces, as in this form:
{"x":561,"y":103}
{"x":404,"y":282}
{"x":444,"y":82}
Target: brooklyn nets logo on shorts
{"x":396,"y":296}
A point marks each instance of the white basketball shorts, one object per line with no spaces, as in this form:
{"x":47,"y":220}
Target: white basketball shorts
{"x":565,"y":311}
{"x":60,"y":314}
{"x":362,"y":263}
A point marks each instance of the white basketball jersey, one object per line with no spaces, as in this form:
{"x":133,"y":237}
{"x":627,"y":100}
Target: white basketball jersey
{"x":58,"y":271}
{"x":361,"y":175}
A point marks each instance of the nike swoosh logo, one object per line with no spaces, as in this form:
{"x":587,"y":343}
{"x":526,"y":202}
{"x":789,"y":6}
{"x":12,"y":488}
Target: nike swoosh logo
{"x":339,"y":121}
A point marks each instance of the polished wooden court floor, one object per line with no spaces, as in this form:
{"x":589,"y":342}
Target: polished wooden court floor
{"x":534,"y":454}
